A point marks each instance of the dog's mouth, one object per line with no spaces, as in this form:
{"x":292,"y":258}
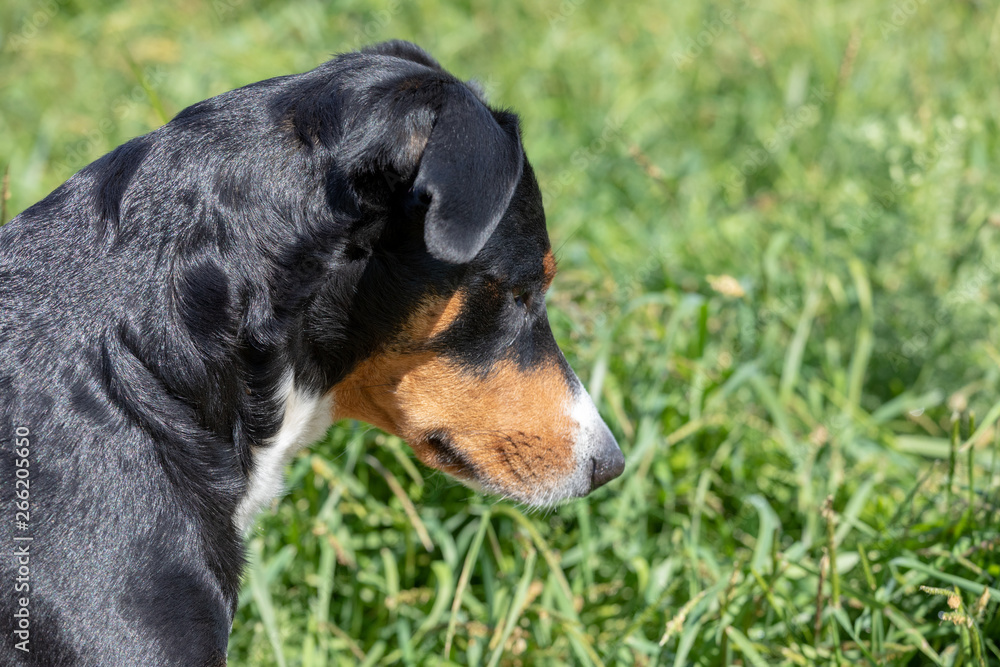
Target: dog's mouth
{"x":448,"y":458}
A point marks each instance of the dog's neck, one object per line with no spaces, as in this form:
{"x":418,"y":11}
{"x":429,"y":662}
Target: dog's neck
{"x":306,"y":418}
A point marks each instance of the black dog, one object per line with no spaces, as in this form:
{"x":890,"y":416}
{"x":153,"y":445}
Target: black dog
{"x":364,"y":240}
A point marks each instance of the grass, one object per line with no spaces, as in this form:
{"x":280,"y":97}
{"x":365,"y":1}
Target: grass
{"x":778,"y":226}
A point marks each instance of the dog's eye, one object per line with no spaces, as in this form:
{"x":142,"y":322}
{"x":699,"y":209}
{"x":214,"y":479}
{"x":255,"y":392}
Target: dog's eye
{"x":520,"y":296}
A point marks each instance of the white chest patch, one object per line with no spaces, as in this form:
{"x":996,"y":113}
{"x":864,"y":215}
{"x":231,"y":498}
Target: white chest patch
{"x":306,"y":418}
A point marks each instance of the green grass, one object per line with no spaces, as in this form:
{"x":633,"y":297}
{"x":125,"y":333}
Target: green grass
{"x":780,"y":278}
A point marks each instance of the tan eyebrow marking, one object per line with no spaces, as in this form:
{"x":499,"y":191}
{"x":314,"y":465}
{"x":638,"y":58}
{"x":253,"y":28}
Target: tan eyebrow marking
{"x":549,"y":266}
{"x":446,"y":316}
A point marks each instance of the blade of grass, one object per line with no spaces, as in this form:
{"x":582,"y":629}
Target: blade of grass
{"x":404,"y":499}
{"x":991,"y":417}
{"x":841,"y":617}
{"x":865,"y":341}
{"x":746,"y":647}
{"x":262,"y":599}
{"x":962,"y":583}
{"x":913,"y":635}
{"x":445,"y":587}
{"x":470,"y":560}
{"x":793,"y":359}
{"x":555,"y":569}
{"x":516,"y":607}
{"x":143,"y":81}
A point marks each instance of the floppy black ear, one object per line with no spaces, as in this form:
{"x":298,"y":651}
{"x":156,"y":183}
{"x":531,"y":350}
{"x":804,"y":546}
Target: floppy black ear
{"x":411,"y":121}
{"x":467,"y":175}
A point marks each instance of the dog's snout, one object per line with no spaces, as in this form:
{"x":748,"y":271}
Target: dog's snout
{"x":608,"y":463}
{"x":600,"y":460}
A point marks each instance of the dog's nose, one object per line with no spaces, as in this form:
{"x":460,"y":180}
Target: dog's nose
{"x":608,"y":464}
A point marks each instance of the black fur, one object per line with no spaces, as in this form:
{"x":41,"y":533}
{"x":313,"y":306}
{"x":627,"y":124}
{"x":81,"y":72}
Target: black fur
{"x":150,"y":306}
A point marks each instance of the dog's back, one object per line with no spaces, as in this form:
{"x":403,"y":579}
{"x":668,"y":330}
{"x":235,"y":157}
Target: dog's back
{"x":110,"y":541}
{"x":119,"y":317}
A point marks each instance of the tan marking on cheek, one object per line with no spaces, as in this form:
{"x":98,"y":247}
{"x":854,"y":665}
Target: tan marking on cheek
{"x":549,"y":266}
{"x":512,"y":427}
{"x":371,"y":394}
{"x":368,"y":392}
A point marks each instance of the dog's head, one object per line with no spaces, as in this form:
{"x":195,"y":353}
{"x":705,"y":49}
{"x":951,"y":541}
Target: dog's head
{"x":439,"y":294}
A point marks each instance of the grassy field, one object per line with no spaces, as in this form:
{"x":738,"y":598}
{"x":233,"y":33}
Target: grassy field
{"x":778,"y":226}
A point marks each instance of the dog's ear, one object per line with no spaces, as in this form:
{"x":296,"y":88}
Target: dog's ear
{"x":466,"y":175}
{"x":417,"y":125}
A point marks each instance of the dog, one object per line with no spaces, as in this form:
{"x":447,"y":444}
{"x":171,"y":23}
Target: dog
{"x":365,"y":240}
